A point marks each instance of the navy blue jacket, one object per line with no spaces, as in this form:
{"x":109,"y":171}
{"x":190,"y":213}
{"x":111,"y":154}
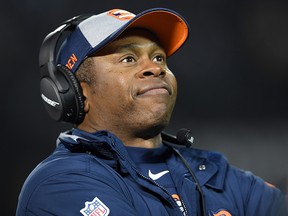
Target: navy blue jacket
{"x":92,"y":174}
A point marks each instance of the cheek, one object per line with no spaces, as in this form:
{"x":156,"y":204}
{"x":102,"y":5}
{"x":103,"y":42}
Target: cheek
{"x":173,"y":83}
{"x":112,"y":92}
{"x":175,"y":87}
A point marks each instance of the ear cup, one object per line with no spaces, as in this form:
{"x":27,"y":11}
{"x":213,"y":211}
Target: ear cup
{"x":63,"y":100}
{"x":51,"y":97}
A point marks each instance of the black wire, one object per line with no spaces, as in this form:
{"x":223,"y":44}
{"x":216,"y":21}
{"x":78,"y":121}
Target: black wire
{"x":202,"y":200}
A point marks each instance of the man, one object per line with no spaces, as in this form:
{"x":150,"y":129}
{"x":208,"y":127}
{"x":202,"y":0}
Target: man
{"x":117,"y":160}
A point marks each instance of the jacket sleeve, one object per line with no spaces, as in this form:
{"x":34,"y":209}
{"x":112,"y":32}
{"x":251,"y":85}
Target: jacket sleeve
{"x":82,"y":186}
{"x":261,"y":198}
{"x":79,"y":194}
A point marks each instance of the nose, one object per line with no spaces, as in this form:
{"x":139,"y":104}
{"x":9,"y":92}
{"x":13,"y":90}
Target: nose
{"x":152,"y":70}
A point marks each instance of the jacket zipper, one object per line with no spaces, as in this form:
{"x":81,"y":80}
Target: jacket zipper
{"x":154,"y":182}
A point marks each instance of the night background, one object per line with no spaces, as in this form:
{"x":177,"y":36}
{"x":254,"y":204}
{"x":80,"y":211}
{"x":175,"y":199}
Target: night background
{"x":232,"y":83}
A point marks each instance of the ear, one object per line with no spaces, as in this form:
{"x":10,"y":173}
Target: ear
{"x":85,"y":91}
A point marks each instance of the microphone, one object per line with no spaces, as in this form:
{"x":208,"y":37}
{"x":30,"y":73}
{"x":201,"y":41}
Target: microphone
{"x":184,"y":136}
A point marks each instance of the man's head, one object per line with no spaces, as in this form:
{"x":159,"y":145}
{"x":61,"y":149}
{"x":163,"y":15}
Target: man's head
{"x":120,"y":61}
{"x":130,"y":89}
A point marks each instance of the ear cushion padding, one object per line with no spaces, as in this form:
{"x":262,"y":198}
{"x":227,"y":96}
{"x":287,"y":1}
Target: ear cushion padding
{"x":77,"y":90}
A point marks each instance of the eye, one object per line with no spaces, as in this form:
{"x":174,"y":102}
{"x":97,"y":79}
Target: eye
{"x":159,"y":58}
{"x":128,"y":59}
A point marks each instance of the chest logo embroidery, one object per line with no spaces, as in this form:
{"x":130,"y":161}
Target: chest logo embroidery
{"x":157,"y":175}
{"x":220,"y":213}
{"x":95,"y":208}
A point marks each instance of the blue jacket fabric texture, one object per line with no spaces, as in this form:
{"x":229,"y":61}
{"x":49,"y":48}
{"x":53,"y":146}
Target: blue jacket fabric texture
{"x":92,"y":174}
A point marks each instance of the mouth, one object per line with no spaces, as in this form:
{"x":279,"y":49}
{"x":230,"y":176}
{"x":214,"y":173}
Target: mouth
{"x":155,"y":89}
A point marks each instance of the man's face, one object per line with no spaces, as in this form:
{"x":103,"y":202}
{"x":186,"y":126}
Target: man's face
{"x":134,"y":91}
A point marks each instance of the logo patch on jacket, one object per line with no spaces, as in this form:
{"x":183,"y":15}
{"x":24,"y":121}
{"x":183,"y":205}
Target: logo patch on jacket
{"x":220,"y":213}
{"x":95,"y":208}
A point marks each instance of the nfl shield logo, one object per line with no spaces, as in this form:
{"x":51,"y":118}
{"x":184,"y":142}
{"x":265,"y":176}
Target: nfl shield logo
{"x":95,"y":208}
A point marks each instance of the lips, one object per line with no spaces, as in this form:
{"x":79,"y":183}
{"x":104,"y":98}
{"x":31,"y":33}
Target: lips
{"x":155,"y":89}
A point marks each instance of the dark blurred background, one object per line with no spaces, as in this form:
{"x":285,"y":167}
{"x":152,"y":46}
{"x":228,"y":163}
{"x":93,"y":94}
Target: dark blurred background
{"x":232,"y":75}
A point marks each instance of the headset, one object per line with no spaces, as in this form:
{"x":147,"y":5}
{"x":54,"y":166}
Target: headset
{"x":60,"y":90}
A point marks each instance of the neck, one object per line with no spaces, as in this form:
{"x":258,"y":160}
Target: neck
{"x":149,"y":137}
{"x":153,"y":142}
{"x":150,"y":141}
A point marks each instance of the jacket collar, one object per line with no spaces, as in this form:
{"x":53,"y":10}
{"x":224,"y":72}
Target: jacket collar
{"x":209,"y":167}
{"x":98,"y":143}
